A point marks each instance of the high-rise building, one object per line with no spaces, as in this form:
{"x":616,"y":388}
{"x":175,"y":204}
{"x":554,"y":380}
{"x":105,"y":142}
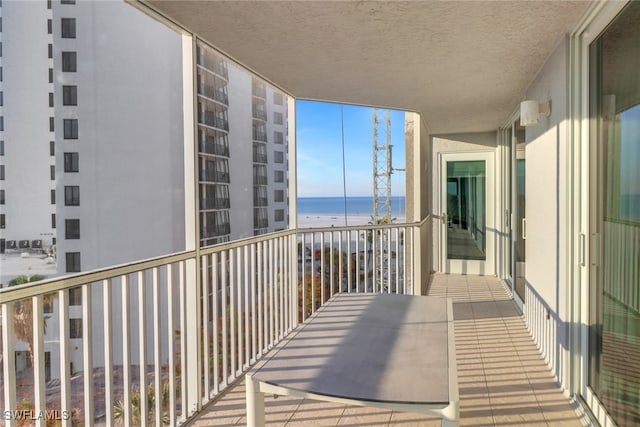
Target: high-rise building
{"x":242,"y":126}
{"x":71,"y":176}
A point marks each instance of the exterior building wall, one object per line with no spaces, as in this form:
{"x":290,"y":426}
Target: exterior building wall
{"x":277,"y":147}
{"x":26,"y":134}
{"x":547,"y":262}
{"x":130,"y":132}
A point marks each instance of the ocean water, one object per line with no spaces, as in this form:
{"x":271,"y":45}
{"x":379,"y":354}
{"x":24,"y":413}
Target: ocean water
{"x":355,"y":206}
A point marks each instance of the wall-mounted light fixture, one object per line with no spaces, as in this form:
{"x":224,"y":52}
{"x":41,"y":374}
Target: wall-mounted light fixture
{"x":530,"y":112}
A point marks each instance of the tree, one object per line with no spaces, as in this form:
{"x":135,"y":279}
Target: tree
{"x":23,"y":313}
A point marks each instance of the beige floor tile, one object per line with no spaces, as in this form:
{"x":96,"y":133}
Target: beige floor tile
{"x":503,"y":381}
{"x":362,"y":416}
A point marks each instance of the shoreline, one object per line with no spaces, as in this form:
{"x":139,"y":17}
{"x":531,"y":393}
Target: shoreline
{"x":329,"y":220}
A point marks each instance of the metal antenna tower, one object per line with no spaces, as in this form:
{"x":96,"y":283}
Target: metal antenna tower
{"x":382,"y":167}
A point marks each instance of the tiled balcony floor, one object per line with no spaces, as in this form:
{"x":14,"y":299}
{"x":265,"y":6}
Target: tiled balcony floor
{"x":503,"y":380}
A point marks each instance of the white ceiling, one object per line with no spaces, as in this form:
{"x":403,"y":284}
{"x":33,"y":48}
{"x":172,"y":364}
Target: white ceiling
{"x":464,"y":65}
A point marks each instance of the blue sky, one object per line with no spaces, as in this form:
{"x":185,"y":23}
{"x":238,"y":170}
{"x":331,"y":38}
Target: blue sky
{"x":319,"y":145}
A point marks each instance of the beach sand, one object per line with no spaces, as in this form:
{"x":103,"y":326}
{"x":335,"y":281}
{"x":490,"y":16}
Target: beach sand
{"x":319,"y":220}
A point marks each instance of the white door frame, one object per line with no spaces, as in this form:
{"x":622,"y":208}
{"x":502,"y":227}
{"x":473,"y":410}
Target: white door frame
{"x":459,"y":266}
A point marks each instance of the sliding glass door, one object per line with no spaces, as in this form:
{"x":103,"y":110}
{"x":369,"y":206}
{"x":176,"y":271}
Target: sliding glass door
{"x":614,"y":296}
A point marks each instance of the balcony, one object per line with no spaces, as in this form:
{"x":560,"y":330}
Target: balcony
{"x":214,"y":146}
{"x":503,"y":380}
{"x":196,"y":334}
{"x":260,"y":114}
{"x":210,"y":119}
{"x":248,"y":295}
{"x":213,"y":93}
{"x":208,"y":175}
{"x":259,"y":91}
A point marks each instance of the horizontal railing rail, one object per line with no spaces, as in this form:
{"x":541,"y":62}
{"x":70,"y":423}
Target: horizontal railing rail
{"x":151,"y":342}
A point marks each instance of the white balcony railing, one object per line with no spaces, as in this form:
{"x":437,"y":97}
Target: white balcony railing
{"x":161,"y":338}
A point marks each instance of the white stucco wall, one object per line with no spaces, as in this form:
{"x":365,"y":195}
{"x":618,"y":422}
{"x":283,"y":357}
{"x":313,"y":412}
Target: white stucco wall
{"x":25,"y":86}
{"x":547,"y":262}
{"x":131,"y":169}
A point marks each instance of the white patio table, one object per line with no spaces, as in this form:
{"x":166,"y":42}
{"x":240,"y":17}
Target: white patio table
{"x":387,"y":351}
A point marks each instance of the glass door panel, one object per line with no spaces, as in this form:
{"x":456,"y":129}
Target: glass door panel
{"x":467,"y":205}
{"x":519,"y":229}
{"x":466,"y":228}
{"x":614,"y":300}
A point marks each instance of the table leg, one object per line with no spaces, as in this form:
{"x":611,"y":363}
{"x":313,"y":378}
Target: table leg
{"x":451,"y":415}
{"x":255,"y":403}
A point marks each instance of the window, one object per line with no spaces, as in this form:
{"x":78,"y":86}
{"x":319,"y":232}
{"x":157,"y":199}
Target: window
{"x":52,"y":171}
{"x":277,"y":118}
{"x":75,"y":296}
{"x":52,"y":148}
{"x":69,"y":62}
{"x":1,"y":122}
{"x":278,"y":157}
{"x":2,"y":148}
{"x":48,"y":4}
{"x":73,"y":262}
{"x":1,"y":172}
{"x":278,"y":137}
{"x":53,"y":220}
{"x":70,"y":128}
{"x":279,"y":214}
{"x":49,"y":26}
{"x":72,"y":195}
{"x":50,"y":75}
{"x":278,"y":196}
{"x":53,"y":197}
{"x":1,"y":197}
{"x":68,"y":28}
{"x":69,"y":95}
{"x":2,"y":221}
{"x":67,"y":1}
{"x":50,"y":51}
{"x":71,"y":162}
{"x":278,"y":176}
{"x":50,"y":99}
{"x":72,"y":228}
{"x":0,"y":74}
{"x":1,"y":99}
{"x":277,"y":98}
{"x":75,"y":327}
{"x":51,"y":124}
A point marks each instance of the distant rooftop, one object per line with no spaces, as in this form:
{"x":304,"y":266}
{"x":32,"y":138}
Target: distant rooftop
{"x":14,"y":264}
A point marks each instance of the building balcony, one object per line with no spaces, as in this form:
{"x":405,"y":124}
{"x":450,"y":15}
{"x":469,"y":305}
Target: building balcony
{"x":214,"y":147}
{"x":214,"y":93}
{"x":213,"y":121}
{"x":259,"y":136}
{"x":215,"y":203}
{"x":260,"y":114}
{"x":214,"y":176}
{"x":259,"y":91}
{"x":259,"y":157}
{"x":208,"y":61}
{"x":197,"y":332}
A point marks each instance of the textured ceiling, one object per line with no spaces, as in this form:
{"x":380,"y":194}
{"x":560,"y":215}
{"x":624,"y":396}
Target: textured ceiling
{"x":464,"y":65}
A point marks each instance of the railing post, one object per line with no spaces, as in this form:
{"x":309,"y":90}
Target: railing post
{"x":8,"y":357}
{"x":192,"y":332}
{"x":38,"y":358}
